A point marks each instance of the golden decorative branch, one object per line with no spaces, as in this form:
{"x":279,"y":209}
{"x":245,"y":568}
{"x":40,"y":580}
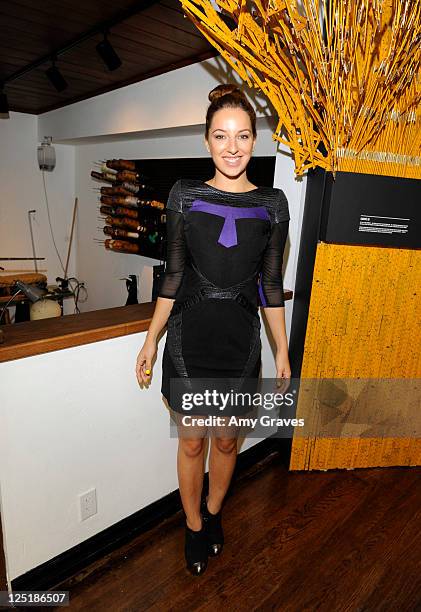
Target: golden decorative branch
{"x":342,"y":75}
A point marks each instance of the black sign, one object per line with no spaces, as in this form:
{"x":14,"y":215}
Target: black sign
{"x":371,"y":209}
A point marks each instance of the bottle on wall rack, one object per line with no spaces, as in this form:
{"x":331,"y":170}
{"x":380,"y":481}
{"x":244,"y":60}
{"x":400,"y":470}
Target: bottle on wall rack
{"x":116,"y":190}
{"x":121,"y":164}
{"x":103,"y":176}
{"x":106,"y":210}
{"x":131,"y":187}
{"x":127,"y":206}
{"x":121,"y":246}
{"x":128,"y":175}
{"x":129,"y":201}
{"x":123,"y":222}
{"x":115,"y":232}
{"x":131,"y":213}
{"x":119,"y":200}
{"x":106,"y":170}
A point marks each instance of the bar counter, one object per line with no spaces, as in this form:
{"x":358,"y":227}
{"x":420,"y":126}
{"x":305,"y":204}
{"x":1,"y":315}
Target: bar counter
{"x":36,"y":337}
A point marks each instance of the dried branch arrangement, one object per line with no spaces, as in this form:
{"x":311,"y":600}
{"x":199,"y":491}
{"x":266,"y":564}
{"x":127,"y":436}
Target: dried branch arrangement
{"x":342,"y":75}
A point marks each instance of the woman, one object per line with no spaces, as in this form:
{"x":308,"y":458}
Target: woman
{"x":225,"y":243}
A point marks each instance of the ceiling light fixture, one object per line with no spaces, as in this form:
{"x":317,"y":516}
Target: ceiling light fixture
{"x":108,"y":53}
{"x":4,"y":105}
{"x":55,"y":77}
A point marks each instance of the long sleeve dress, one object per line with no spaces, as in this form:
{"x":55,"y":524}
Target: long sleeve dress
{"x":224,"y":260}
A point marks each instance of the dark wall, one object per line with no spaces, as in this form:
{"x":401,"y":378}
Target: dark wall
{"x":161,"y":174}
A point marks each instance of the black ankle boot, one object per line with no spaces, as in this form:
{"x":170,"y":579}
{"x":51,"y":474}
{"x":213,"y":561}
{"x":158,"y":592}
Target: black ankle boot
{"x":196,"y":551}
{"x":214,"y":531}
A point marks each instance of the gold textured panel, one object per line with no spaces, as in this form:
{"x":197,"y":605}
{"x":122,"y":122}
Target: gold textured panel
{"x":364,"y":322}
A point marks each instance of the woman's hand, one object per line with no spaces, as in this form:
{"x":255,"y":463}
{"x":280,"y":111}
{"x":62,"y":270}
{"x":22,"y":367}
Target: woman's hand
{"x":283,"y":368}
{"x":144,"y":361}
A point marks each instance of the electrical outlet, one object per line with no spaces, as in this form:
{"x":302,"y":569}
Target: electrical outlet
{"x":88,"y":505}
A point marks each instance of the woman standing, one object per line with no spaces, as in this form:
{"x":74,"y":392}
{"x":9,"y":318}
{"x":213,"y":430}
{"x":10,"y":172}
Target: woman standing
{"x":225,"y":244}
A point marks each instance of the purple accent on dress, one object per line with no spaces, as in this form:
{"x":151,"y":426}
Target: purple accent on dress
{"x":261,"y":294}
{"x":228,"y":235}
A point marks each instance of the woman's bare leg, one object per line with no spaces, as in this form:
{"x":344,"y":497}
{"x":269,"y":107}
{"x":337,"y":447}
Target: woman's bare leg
{"x":222,"y":460}
{"x":190,"y":469}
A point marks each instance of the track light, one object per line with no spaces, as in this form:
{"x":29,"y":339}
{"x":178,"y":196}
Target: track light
{"x":4,"y":105}
{"x":56,"y":78}
{"x":104,"y":49}
{"x":108,"y":54}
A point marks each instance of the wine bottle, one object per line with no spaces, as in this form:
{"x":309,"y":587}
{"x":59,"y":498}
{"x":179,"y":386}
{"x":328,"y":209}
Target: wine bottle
{"x":128,"y":175}
{"x":106,"y":170}
{"x":158,"y":205}
{"x":130,"y":201}
{"x":116,"y":190}
{"x":119,"y":200}
{"x":132,"y":213}
{"x":115,"y":232}
{"x":131,"y":187}
{"x":123,"y":222}
{"x":101,"y":176}
{"x":121,"y":164}
{"x":106,"y":210}
{"x":120,"y":211}
{"x":121,"y":246}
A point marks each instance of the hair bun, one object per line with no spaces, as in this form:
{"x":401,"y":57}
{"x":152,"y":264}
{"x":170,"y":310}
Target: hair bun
{"x":224,"y":89}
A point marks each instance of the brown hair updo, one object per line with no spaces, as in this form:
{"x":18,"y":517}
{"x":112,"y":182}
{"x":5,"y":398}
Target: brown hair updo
{"x":228,"y":95}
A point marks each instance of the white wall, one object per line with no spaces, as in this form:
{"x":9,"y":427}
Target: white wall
{"x":22,"y":190}
{"x":177,"y":98}
{"x":295,"y":191}
{"x":82,"y":422}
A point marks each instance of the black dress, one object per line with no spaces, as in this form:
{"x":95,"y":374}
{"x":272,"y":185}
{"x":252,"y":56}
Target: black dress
{"x":224,"y":259}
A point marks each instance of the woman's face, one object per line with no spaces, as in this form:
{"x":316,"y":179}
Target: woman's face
{"x":230,"y":141}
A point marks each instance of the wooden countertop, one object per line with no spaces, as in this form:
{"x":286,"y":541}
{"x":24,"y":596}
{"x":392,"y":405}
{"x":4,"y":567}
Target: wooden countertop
{"x":37,"y":337}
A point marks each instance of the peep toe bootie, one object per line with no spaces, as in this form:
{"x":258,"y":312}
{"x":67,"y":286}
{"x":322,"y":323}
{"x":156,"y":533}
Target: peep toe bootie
{"x":214,"y":532}
{"x":196,"y":551}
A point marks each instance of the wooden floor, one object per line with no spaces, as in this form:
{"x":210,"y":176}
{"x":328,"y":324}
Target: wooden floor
{"x":295,"y":542}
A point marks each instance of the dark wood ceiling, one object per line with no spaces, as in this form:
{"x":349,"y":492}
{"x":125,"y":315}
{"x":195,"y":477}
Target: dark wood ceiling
{"x":153,"y":41}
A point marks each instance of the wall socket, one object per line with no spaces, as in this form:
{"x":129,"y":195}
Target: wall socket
{"x":88,"y":505}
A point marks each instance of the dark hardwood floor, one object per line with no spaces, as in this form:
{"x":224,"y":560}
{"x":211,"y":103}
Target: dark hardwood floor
{"x":295,"y":542}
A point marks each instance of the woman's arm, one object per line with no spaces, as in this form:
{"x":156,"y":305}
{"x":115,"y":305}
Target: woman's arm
{"x":174,"y":271}
{"x":271,"y":293}
{"x":159,"y":320}
{"x":276,"y":319}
